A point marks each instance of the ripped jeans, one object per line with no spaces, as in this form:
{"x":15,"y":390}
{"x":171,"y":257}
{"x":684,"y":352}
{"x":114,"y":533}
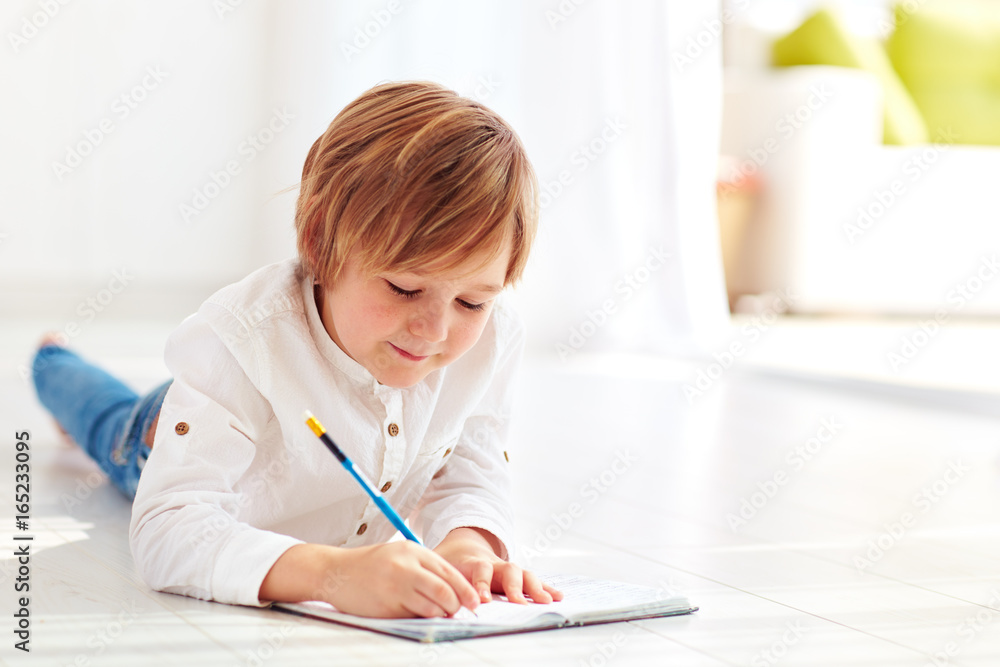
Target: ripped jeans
{"x":106,"y":418}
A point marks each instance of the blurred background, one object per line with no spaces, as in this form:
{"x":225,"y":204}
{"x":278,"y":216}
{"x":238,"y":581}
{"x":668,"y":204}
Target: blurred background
{"x":798,"y":184}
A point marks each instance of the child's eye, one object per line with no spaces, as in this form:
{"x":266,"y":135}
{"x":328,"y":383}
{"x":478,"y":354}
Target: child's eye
{"x":408,"y":294}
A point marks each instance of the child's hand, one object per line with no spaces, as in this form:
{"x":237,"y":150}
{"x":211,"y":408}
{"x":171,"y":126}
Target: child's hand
{"x":393,"y":580}
{"x":399,"y":580}
{"x":470,"y":551}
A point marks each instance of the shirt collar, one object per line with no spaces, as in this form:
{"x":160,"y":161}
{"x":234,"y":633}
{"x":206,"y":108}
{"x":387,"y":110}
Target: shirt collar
{"x":326,"y":345}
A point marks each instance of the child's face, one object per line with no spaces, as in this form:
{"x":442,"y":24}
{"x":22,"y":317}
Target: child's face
{"x":402,"y":326}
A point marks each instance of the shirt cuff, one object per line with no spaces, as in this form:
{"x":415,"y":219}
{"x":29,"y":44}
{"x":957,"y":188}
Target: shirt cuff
{"x":245,"y":562}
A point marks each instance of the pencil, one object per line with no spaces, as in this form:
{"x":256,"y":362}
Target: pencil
{"x":376,"y":496}
{"x":382,"y":503}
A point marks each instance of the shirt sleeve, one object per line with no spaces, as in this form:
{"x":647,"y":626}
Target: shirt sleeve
{"x":473,"y":488}
{"x":186,"y":534}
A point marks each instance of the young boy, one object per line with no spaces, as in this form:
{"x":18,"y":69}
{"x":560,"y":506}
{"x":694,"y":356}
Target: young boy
{"x":417,"y":208}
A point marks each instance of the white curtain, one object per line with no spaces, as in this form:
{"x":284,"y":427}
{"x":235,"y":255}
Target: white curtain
{"x":619,"y":113}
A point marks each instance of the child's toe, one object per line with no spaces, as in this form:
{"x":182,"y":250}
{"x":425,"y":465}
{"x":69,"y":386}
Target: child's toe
{"x":52,"y":338}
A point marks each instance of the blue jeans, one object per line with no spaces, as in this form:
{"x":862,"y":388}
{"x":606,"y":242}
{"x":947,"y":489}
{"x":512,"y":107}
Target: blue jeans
{"x":100,"y":413}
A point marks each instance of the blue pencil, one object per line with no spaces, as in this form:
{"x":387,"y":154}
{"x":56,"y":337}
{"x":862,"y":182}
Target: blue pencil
{"x":383,"y":505}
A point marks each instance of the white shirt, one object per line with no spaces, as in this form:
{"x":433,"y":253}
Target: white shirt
{"x":244,"y":479}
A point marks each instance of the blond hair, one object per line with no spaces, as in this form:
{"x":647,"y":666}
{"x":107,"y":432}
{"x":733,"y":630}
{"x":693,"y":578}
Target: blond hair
{"x":411,"y":175}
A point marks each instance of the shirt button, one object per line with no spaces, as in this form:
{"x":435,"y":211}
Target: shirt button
{"x":446,"y":452}
{"x":385,"y":487}
{"x":181,"y":428}
{"x":362,"y":528}
{"x":393,"y":430}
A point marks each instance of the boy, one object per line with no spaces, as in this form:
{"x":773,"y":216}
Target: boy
{"x":417,"y":207}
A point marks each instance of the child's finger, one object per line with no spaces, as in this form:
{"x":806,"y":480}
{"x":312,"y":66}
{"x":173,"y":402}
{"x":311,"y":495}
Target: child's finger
{"x":420,"y":605}
{"x":432,"y":596}
{"x":481,"y":578}
{"x":554,"y":592}
{"x":533,"y":587}
{"x":467,"y":596}
{"x":513,"y":584}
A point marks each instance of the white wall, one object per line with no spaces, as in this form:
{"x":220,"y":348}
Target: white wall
{"x":193,"y":91}
{"x":565,"y":75}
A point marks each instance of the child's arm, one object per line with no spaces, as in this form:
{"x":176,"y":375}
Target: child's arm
{"x":392,"y":580}
{"x":188,"y":531}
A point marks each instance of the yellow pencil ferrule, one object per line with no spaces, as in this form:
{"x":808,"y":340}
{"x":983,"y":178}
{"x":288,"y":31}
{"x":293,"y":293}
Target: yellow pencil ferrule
{"x":314,"y":424}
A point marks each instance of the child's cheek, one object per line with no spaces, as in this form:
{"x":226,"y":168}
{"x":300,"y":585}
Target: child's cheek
{"x":380,"y":316}
{"x":468,"y":332}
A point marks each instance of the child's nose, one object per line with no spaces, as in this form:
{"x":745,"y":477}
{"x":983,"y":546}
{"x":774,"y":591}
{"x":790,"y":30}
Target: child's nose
{"x":430,"y":324}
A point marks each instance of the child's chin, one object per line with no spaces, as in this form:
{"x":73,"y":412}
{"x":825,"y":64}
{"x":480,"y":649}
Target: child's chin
{"x":401,"y":380}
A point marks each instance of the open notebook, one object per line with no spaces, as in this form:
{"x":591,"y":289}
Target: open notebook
{"x":586,"y":601}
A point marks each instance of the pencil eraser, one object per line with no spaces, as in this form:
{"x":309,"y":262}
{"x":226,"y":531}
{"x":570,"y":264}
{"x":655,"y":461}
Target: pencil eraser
{"x":307,"y":415}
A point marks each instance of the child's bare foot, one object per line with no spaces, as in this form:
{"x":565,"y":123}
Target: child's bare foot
{"x":59,"y":339}
{"x":53,"y":338}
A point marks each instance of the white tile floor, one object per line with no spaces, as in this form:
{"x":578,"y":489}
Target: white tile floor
{"x":820,"y":569}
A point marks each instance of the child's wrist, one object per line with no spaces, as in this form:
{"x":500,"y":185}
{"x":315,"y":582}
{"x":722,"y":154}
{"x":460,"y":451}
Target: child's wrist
{"x":328,"y":573}
{"x":304,"y":572}
{"x":474,"y":539}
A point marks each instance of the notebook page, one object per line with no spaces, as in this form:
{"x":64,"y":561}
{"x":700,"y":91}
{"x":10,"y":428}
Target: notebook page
{"x":583,"y":595}
{"x":501,"y":612}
